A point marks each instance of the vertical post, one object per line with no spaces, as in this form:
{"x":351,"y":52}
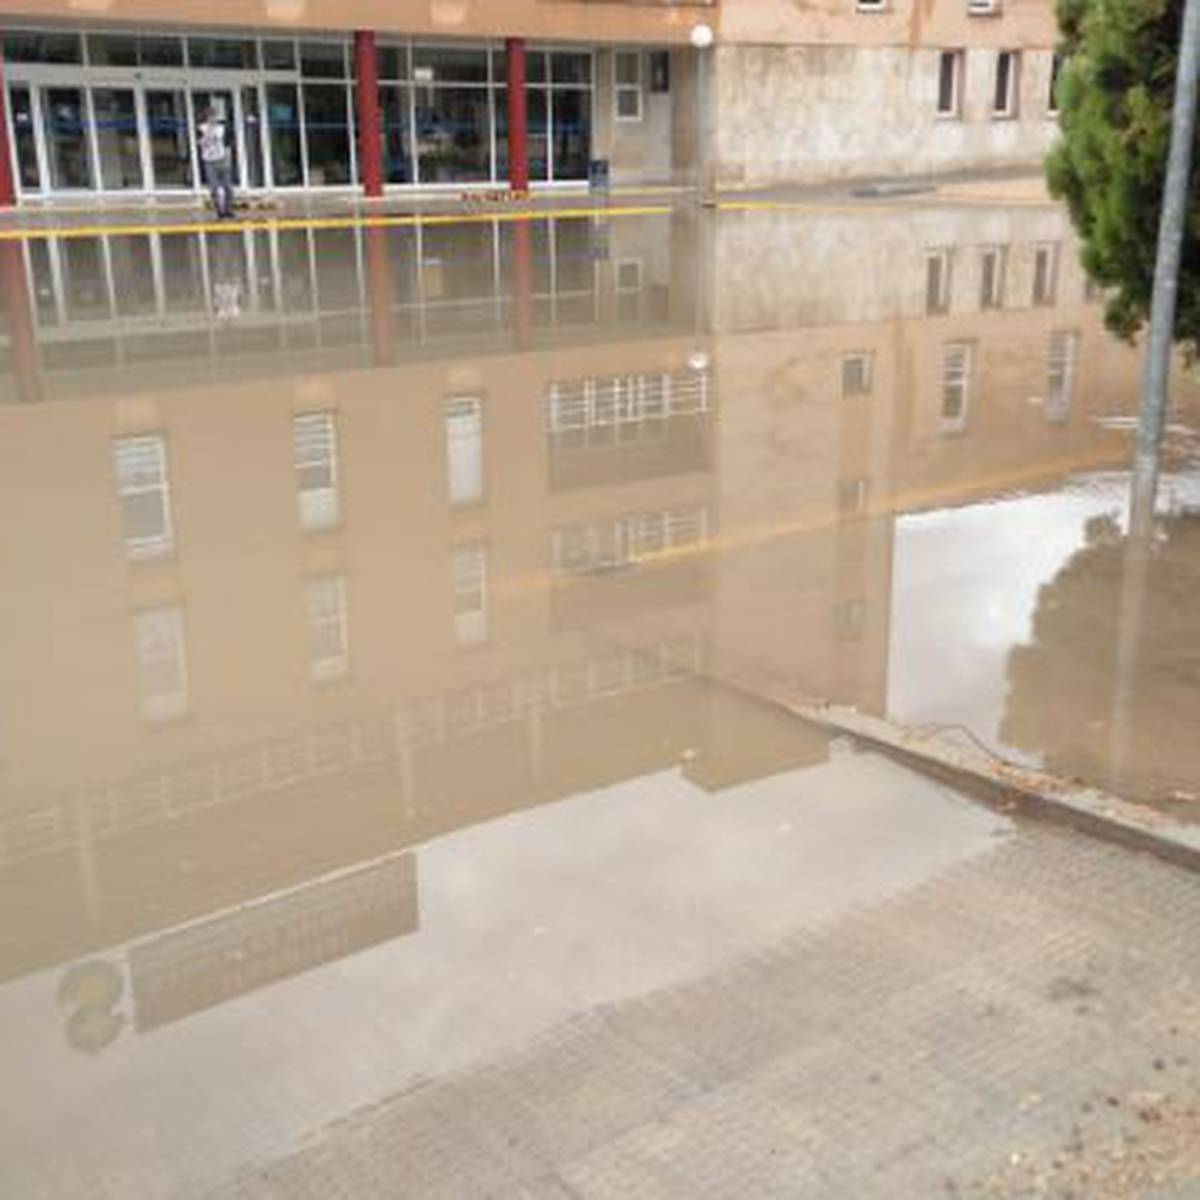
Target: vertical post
{"x":518,"y":118}
{"x":522,"y":284}
{"x":1171,"y":225}
{"x":379,"y":285}
{"x":702,"y":38}
{"x":18,"y":316}
{"x":8,"y":189}
{"x":370,"y":130}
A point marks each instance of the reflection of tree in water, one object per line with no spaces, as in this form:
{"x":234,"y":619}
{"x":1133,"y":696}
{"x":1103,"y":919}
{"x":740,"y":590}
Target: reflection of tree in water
{"x":1061,"y":685}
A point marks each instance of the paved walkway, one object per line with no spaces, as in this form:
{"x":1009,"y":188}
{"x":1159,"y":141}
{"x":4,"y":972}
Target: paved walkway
{"x":1025,"y":1025}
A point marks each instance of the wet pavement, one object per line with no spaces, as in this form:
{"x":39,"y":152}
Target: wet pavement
{"x":373,"y":821}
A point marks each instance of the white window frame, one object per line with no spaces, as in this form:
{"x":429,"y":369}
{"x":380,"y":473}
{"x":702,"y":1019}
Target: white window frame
{"x":635,"y":89}
{"x":1008,"y":107}
{"x":956,"y":91}
{"x":315,"y":444}
{"x":462,"y":420}
{"x":1046,"y":294}
{"x":958,"y":361}
{"x":1057,"y":62}
{"x":862,"y":361}
{"x":155,"y":630}
{"x":1062,"y":357}
{"x":317,"y":588}
{"x":153,"y":447}
{"x":992,"y":296}
{"x":939,"y":302}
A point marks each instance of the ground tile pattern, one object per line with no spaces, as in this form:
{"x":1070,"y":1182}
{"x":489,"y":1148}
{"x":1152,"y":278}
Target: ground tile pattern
{"x":1040,"y":1006}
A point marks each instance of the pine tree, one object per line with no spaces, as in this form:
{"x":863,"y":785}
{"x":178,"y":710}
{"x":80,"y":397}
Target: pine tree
{"x":1115,"y":94}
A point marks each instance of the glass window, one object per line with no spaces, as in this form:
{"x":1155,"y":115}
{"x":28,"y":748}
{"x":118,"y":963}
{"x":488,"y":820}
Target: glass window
{"x":112,"y":50}
{"x":279,"y":56}
{"x":156,"y":51}
{"x":1056,"y":66}
{"x":160,"y":647}
{"x":229,"y":54}
{"x":314,"y":441}
{"x":397,"y":134}
{"x":571,"y":68}
{"x":118,"y":144}
{"x":144,"y":495}
{"x":537,"y":122}
{"x":991,"y":277}
{"x":328,"y":627}
{"x":43,"y":47}
{"x":256,"y":175}
{"x":949,"y":82}
{"x":327,"y":130}
{"x":627,"y":80}
{"x":1004,"y":100}
{"x":65,"y":121}
{"x":956,"y":385}
{"x":170,"y":146}
{"x":392,"y":62}
{"x":464,"y":450}
{"x":20,"y":104}
{"x":453,"y":134}
{"x":323,"y":60}
{"x":283,"y":128}
{"x":572,"y":132}
{"x":452,"y":64}
{"x":937,"y":281}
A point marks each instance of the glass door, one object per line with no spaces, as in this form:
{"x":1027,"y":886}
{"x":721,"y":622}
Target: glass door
{"x":118,"y":138}
{"x":224,"y":103}
{"x":65,"y":128}
{"x":170,"y":144}
{"x":25,"y":140}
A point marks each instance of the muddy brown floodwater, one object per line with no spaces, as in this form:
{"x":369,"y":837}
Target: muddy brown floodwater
{"x":370,"y":820}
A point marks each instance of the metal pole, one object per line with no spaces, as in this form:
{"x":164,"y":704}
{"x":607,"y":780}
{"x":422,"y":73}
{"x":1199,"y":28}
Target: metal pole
{"x":1153,"y":413}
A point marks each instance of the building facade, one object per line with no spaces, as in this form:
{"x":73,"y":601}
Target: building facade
{"x":103,"y":100}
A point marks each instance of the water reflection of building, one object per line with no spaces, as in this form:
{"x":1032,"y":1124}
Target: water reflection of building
{"x":371,"y":548}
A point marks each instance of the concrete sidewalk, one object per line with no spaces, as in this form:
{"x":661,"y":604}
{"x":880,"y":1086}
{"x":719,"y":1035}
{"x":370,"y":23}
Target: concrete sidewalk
{"x":1024,"y":1025}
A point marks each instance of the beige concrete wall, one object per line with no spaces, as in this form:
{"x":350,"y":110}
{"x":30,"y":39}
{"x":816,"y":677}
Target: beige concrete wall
{"x":1018,"y":23}
{"x":807,"y":114}
{"x":640,"y":151}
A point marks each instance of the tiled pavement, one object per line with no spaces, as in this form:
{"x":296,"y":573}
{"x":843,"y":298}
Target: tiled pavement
{"x":1005,"y":1009}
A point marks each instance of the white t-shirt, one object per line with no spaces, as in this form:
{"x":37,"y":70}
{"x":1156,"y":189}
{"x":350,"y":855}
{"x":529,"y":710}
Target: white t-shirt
{"x":212,"y":141}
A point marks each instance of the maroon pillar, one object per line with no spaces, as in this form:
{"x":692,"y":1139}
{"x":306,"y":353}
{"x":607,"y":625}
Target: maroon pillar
{"x":518,"y":131}
{"x":8,"y":191}
{"x":370,"y":127}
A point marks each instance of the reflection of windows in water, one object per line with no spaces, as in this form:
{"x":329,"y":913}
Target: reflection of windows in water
{"x":328,"y":627}
{"x":314,"y":444}
{"x":1061,"y":354}
{"x":849,"y":619}
{"x":620,"y":409}
{"x":852,"y":496}
{"x":992,"y":262}
{"x":603,"y":546}
{"x":956,"y":385}
{"x":463,"y":419}
{"x":856,"y":374}
{"x":161,"y":652}
{"x":144,"y":495}
{"x":1045,"y":273}
{"x":470,"y":594}
{"x":937,"y":281}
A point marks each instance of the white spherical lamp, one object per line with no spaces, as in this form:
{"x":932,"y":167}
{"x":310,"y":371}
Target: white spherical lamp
{"x":702,"y":36}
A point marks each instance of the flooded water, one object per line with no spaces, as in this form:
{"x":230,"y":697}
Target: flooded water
{"x":363,"y":589}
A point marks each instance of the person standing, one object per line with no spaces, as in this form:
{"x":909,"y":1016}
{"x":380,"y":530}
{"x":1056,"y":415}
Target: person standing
{"x":217,"y":160}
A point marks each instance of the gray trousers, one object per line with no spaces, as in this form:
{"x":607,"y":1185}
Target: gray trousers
{"x":219,"y":177}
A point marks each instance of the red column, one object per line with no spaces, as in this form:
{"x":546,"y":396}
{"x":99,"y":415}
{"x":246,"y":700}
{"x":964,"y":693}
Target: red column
{"x":518,"y":132}
{"x":522,"y":284}
{"x":8,"y":191}
{"x":370,"y":126}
